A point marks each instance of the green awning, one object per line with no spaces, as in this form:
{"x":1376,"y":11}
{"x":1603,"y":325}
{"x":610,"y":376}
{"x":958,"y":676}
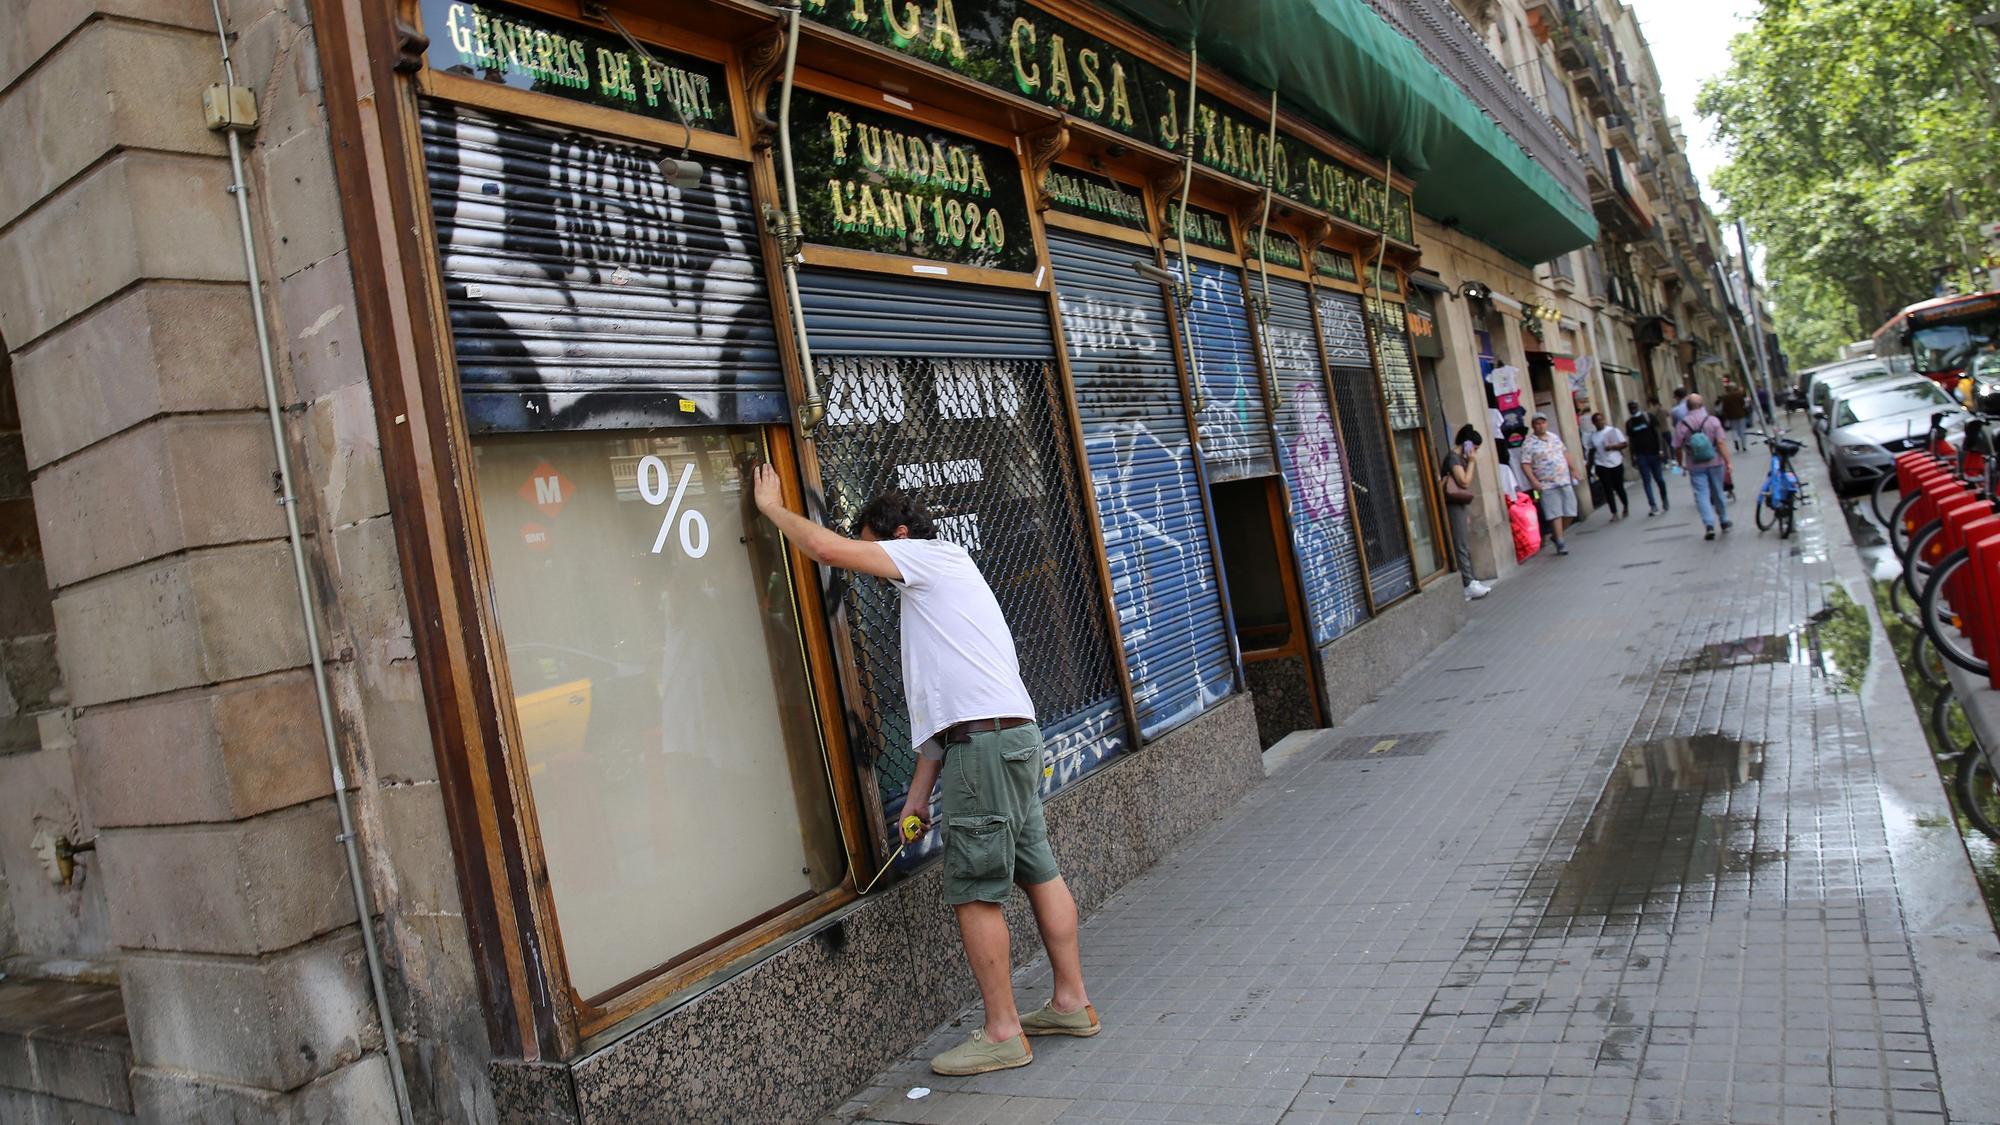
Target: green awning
{"x":1340,"y":65}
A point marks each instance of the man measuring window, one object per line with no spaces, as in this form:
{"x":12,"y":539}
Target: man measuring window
{"x":975,"y":732}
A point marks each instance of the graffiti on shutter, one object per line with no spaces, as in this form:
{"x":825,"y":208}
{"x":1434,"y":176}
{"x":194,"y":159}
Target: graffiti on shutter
{"x":1235,"y":418}
{"x":1399,"y":374}
{"x":586,"y":292}
{"x":1148,"y":486}
{"x":1310,"y":457}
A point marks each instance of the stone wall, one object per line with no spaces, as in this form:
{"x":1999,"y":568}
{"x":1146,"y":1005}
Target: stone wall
{"x":197,"y":752}
{"x":47,"y":925}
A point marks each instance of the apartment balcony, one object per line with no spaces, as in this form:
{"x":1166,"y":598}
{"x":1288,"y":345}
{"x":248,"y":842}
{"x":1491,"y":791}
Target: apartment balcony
{"x":1545,"y":16}
{"x":1573,"y":51}
{"x":1619,"y":128}
{"x":1455,"y":47}
{"x":1622,"y":205}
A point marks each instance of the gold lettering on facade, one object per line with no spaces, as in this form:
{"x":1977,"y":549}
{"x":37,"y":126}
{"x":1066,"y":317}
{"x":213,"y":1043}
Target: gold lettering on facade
{"x":1060,"y":87}
{"x":1093,"y":83}
{"x":839,"y":127}
{"x":905,"y":32}
{"x":1027,"y":76}
{"x":944,"y":22}
{"x":1121,"y":104}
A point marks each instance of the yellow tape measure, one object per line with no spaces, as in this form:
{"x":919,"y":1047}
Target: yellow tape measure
{"x":913,"y":830}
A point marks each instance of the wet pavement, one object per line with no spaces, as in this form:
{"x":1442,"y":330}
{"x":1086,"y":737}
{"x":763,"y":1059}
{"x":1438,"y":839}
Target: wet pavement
{"x":1656,"y":838}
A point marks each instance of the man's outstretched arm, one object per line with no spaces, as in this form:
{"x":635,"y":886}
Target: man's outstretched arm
{"x":820,"y":544}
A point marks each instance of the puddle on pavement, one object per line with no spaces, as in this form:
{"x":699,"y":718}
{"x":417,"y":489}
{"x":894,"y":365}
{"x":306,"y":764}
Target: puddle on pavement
{"x":1832,"y":642}
{"x":1667,"y":834}
{"x":1871,"y":540}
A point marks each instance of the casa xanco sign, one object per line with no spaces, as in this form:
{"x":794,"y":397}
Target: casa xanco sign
{"x":1014,"y":46}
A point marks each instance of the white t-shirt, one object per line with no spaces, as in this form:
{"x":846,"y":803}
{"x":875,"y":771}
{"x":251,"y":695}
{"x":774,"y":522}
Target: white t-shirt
{"x":959,"y":661}
{"x":1605,"y":457}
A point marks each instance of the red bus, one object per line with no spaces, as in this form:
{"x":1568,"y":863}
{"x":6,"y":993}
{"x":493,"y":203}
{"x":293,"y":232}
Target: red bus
{"x":1947,"y":338}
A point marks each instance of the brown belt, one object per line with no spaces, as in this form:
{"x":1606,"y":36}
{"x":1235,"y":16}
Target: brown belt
{"x":960,"y":733}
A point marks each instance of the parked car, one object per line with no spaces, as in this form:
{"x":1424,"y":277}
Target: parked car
{"x":1831,"y":384}
{"x":1868,"y":423}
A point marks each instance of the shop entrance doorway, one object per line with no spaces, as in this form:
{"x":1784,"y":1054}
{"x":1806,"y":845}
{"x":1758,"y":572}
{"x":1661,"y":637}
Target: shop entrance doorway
{"x":1264,"y":602}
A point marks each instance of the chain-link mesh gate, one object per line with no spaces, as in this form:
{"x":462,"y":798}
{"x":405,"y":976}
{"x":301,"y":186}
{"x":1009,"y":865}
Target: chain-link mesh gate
{"x":986,"y":445}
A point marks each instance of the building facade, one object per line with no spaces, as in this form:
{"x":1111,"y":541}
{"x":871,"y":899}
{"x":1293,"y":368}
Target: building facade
{"x":1171,"y":339}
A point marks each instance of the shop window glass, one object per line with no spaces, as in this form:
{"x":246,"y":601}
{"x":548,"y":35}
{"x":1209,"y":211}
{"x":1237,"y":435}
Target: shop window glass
{"x":1410,"y":465}
{"x":678,"y":783}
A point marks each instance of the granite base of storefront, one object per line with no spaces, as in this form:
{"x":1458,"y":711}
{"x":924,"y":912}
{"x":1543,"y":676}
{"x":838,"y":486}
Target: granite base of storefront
{"x":791,"y":1035}
{"x":1359,"y":665}
{"x":1284,"y":695}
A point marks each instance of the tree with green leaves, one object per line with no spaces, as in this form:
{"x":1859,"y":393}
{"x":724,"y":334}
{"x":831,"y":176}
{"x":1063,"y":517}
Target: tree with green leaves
{"x":1863,"y":137}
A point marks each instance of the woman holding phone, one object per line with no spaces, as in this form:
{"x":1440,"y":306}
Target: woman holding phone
{"x":1455,"y":476}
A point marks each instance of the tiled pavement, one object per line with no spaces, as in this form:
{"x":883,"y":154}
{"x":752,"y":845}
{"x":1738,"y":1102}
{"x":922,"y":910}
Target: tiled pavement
{"x":1625,"y":859}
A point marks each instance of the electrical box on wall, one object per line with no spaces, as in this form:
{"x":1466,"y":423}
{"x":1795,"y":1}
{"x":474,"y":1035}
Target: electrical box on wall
{"x":229,"y":107}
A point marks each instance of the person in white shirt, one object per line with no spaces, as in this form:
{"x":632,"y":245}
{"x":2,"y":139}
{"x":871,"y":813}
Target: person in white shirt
{"x":1607,"y":455}
{"x":973,"y":726}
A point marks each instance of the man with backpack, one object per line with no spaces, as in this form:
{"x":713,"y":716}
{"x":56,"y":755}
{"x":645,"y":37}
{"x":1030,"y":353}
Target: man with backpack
{"x":1642,"y":430}
{"x":1699,"y":442}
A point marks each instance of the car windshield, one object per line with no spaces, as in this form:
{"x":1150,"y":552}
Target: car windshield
{"x":1889,"y":401}
{"x":1834,"y":381}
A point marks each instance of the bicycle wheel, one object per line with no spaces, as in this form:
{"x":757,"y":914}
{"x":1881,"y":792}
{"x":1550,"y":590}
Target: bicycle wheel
{"x":1902,"y":611}
{"x":1929,"y":665}
{"x":1916,"y":571}
{"x":1766,"y":515}
{"x":1899,"y":532}
{"x":1941,"y":726}
{"x":1978,"y":795}
{"x":1877,"y":499}
{"x":1934,"y":609}
{"x":1785,"y":522}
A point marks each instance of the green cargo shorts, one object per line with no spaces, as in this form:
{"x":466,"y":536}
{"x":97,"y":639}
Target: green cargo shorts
{"x":989,"y":799}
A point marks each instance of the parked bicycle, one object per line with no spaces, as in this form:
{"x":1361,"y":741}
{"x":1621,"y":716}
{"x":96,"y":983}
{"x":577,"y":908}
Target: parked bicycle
{"x":1778,"y":500}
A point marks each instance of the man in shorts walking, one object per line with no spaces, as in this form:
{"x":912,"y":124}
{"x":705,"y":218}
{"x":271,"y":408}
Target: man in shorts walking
{"x":974,"y":729}
{"x":1552,"y":474}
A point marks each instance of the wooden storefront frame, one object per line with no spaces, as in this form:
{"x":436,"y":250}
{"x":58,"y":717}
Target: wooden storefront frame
{"x":373,"y":59}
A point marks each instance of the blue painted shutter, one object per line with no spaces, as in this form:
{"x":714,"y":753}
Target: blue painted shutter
{"x":1142,"y":467}
{"x":1235,"y":419}
{"x":949,"y":392}
{"x":1309,"y":453}
{"x":585,"y":292}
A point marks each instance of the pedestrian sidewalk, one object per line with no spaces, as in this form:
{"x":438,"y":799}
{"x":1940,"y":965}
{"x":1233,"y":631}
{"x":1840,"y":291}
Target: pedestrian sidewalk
{"x":1647,"y":840}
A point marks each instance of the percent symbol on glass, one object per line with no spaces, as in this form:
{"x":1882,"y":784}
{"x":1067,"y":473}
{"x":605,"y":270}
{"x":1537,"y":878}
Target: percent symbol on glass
{"x":653,"y":477}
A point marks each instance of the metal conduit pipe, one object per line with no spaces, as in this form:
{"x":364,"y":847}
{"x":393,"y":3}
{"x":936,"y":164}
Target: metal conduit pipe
{"x":1374,"y":279}
{"x":357,"y":881}
{"x":1184,"y":294}
{"x":1742,"y":358}
{"x":1264,"y":251}
{"x":792,"y":233}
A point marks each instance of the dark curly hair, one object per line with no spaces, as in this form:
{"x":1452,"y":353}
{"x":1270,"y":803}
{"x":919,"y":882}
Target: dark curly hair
{"x":891,"y":510}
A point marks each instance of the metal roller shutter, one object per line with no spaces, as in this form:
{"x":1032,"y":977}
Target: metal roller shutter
{"x":1235,"y":419}
{"x":1399,"y":372}
{"x":1148,"y":485}
{"x":1345,"y":335}
{"x":950,"y":393}
{"x":585,"y":292}
{"x":1314,"y":467}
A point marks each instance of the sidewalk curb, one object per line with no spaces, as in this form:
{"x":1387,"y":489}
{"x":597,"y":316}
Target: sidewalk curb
{"x":1951,"y":936}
